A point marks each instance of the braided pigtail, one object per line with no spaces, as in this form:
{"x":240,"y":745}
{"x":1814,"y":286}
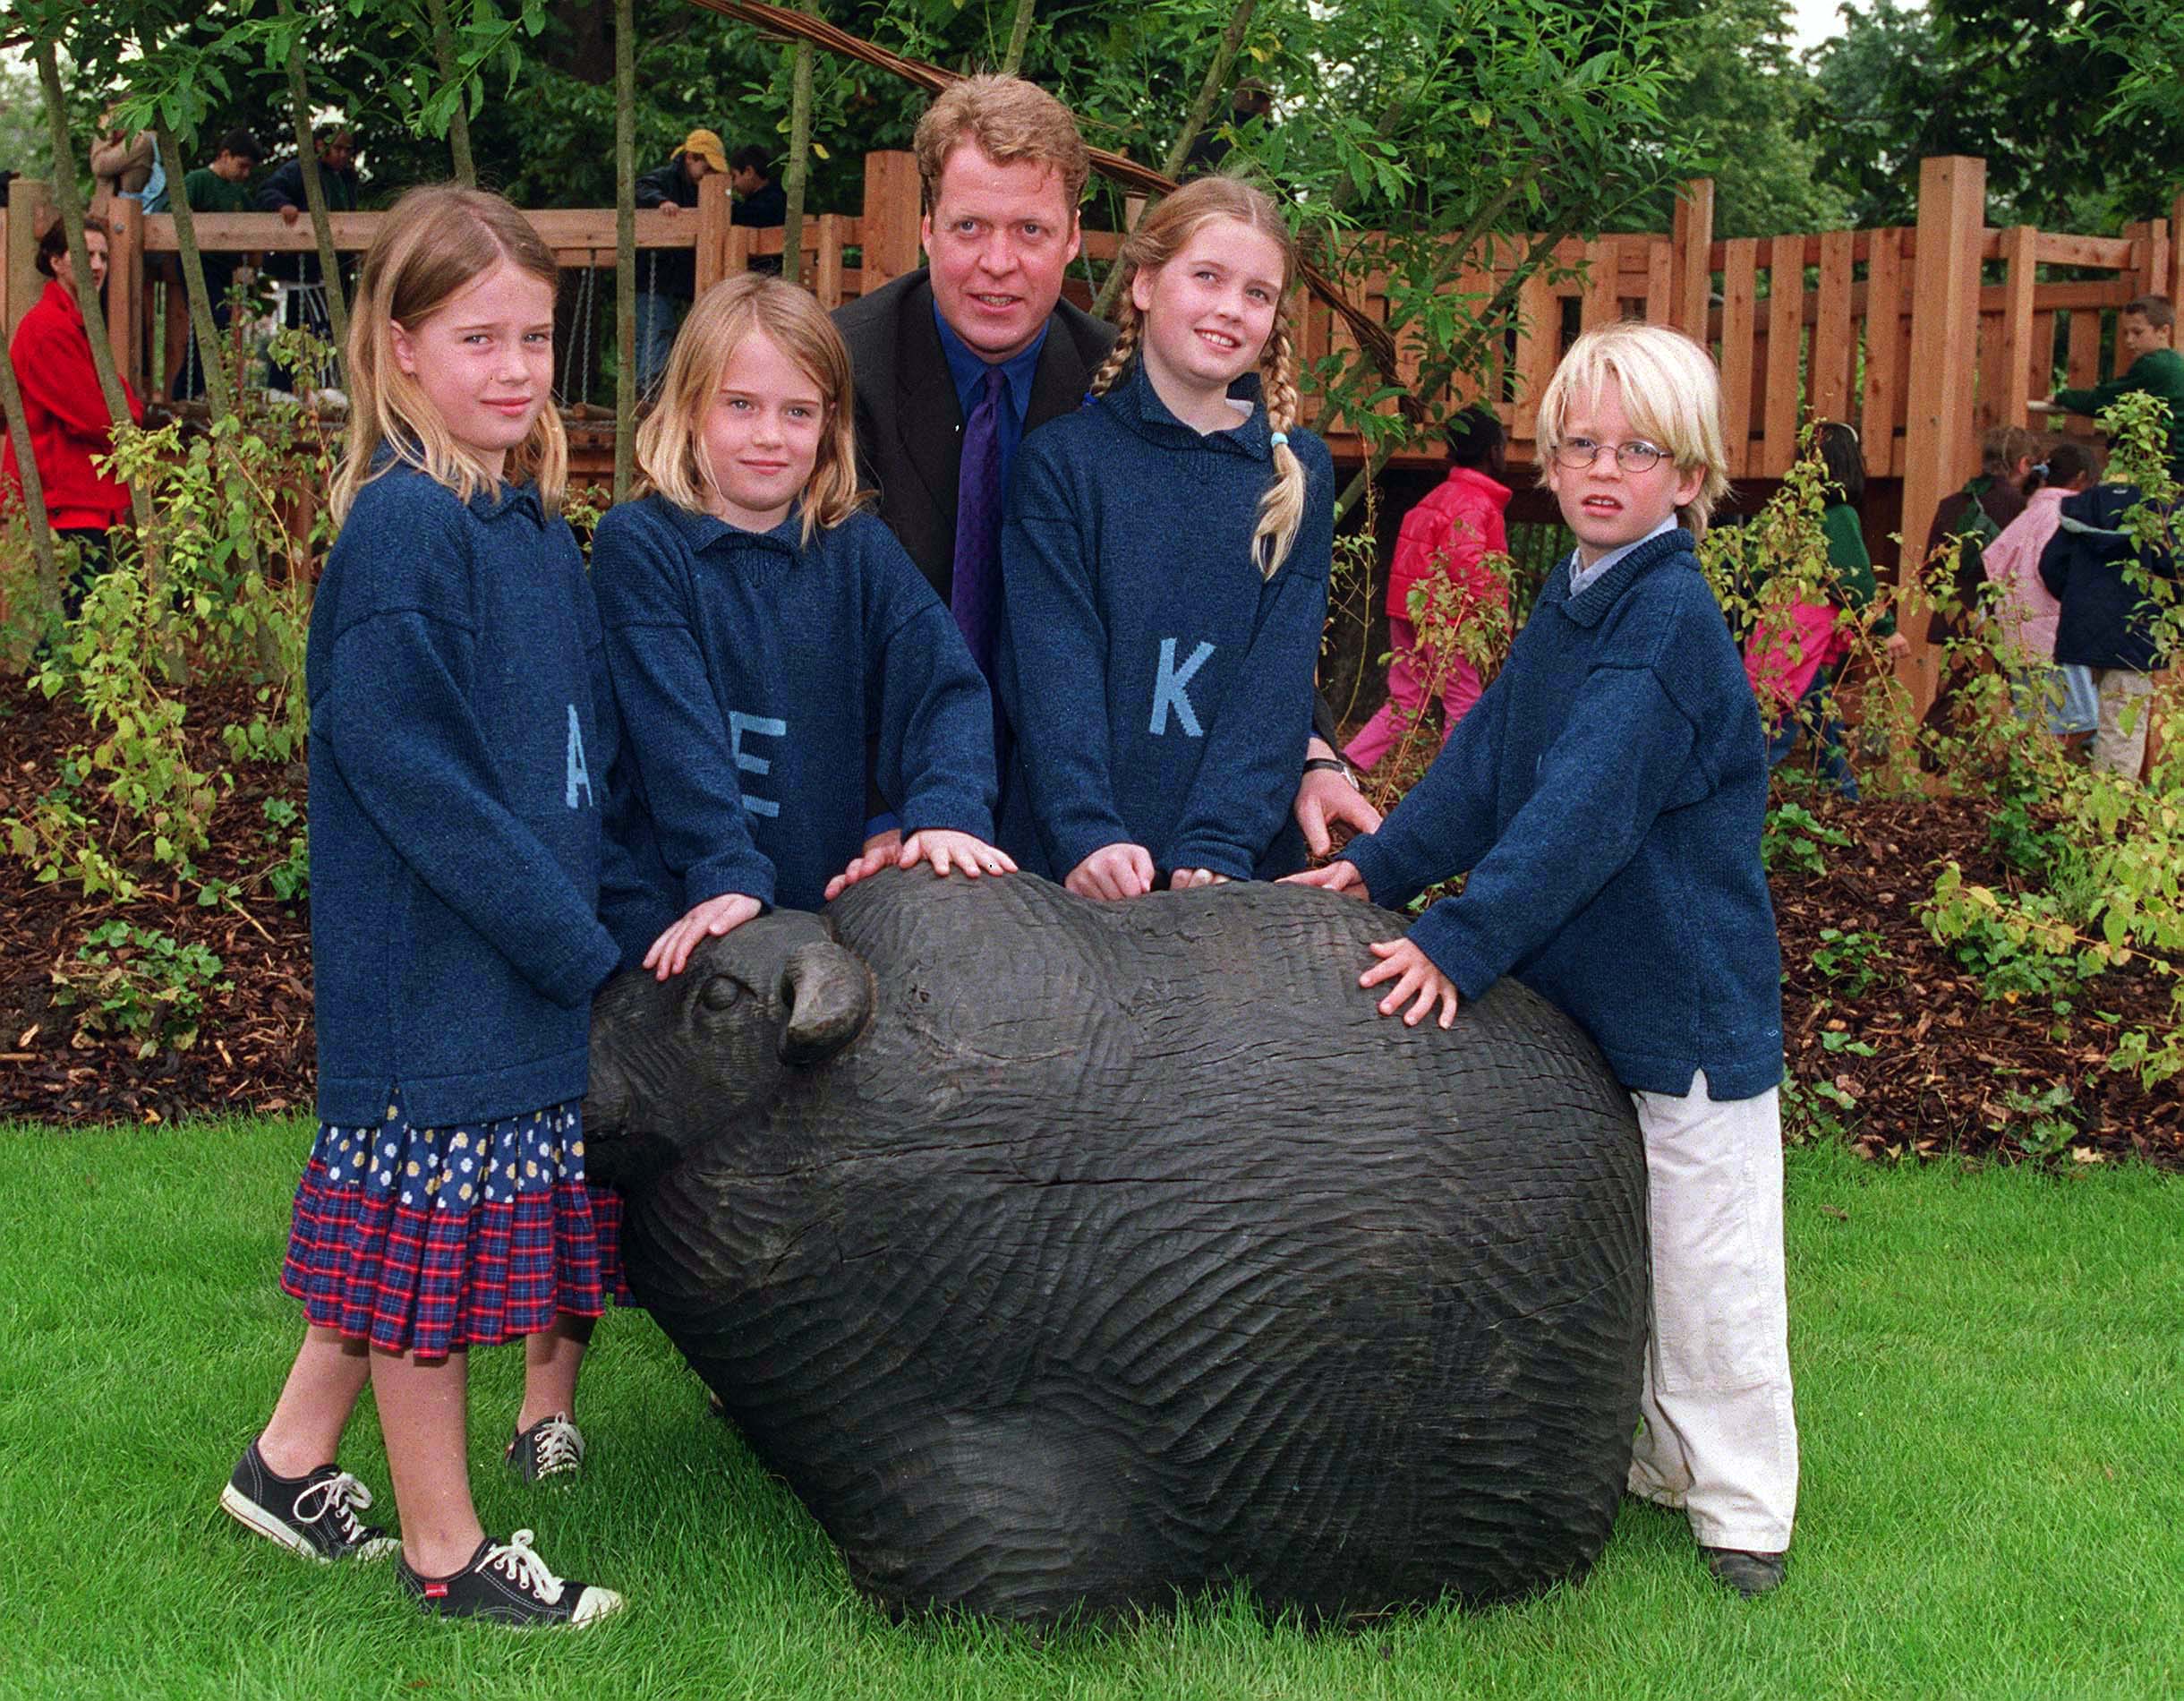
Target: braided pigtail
{"x":1126,"y":324}
{"x":1281,"y":510}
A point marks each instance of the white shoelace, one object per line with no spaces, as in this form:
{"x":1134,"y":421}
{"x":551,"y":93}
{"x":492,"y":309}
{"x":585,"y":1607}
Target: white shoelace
{"x":561,"y":1445}
{"x":340,"y":1493}
{"x":520,"y":1563}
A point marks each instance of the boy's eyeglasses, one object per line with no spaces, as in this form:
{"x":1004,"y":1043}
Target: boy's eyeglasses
{"x":1637,"y":455}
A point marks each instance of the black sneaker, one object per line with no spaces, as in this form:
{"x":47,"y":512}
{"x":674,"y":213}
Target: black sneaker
{"x":551,"y":1446}
{"x":1749,"y":1574}
{"x":315,"y":1515}
{"x":507,"y":1583}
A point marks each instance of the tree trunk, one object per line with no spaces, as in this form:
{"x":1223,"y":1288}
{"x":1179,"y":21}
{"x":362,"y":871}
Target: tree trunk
{"x":208,"y":344}
{"x":1020,"y":37}
{"x":71,"y":202}
{"x":1194,"y":122}
{"x":33,"y":492}
{"x":458,"y":122}
{"x":314,"y":196}
{"x":624,"y":248}
{"x":796,"y":176}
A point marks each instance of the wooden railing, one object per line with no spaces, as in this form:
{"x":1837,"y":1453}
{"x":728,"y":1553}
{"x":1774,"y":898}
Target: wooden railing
{"x":1921,"y":336}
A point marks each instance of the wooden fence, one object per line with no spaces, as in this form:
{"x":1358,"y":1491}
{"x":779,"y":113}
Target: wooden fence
{"x":1922,"y":336}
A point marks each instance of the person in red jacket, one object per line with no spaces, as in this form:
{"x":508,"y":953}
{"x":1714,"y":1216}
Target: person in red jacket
{"x":63,"y":409}
{"x":1446,"y":535}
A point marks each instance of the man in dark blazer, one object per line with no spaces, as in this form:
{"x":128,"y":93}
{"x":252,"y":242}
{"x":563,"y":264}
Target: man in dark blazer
{"x":1003,"y":169}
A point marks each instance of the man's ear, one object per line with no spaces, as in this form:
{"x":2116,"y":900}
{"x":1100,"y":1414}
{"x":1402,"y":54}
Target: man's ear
{"x":1077,"y":236}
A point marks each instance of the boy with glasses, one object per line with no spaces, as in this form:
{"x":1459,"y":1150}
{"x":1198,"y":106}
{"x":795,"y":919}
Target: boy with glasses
{"x":1607,"y":795}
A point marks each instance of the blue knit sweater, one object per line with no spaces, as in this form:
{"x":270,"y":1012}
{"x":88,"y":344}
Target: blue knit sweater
{"x":1607,"y":794}
{"x":752,"y":673}
{"x":461,"y":735}
{"x":1160,"y":687}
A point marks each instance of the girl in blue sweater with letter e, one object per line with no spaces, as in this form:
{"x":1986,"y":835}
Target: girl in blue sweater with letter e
{"x":460,"y":739}
{"x":763,"y":634}
{"x":1166,"y":562}
{"x":1607,"y":796}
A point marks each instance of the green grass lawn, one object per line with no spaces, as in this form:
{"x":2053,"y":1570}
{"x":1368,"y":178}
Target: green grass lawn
{"x":1991,"y":1387}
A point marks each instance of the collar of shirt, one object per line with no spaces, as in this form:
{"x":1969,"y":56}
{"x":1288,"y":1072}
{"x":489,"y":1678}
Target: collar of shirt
{"x":1581,"y":577}
{"x":968,"y":370}
{"x":702,"y":531}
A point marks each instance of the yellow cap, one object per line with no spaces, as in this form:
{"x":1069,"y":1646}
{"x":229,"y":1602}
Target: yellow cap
{"x":706,"y":145}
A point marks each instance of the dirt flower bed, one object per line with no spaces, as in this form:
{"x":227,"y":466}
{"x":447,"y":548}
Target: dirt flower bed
{"x":1893,"y":1045}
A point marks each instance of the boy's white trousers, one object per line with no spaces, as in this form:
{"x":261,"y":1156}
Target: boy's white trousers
{"x":1721,"y":1440}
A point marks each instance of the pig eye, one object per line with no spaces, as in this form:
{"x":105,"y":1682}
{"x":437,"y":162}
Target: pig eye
{"x":719,"y":993}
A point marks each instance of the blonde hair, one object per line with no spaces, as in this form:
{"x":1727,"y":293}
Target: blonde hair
{"x":1160,"y":236}
{"x":1670,"y":392}
{"x":1010,"y":120}
{"x":671,"y":442}
{"x":433,"y":242}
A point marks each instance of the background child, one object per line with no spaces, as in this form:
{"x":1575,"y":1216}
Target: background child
{"x":2060,"y":697}
{"x":1446,"y":536}
{"x":1795,"y":658}
{"x":762,"y":632}
{"x":1165,"y":559}
{"x":2108,"y":623}
{"x":1607,"y":796}
{"x":2146,"y":330}
{"x":455,"y":673}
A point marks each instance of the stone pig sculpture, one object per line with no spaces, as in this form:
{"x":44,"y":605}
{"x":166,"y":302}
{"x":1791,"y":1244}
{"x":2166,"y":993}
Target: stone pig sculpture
{"x":1063,"y":1255}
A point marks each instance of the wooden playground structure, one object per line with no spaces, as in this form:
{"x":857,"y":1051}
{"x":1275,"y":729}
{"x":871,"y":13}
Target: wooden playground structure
{"x":1922,"y":336}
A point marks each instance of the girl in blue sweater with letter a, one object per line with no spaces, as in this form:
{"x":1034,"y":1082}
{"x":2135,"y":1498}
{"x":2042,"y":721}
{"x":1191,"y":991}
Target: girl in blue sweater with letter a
{"x":1607,"y":796}
{"x":1166,"y":562}
{"x":460,"y":738}
{"x":763,"y":634}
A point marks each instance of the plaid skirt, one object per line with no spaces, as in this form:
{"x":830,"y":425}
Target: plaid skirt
{"x":429,"y":1241}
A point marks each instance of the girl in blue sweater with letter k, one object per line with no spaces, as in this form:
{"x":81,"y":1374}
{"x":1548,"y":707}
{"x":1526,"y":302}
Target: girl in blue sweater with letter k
{"x":1165,"y":561}
{"x":1607,"y":796}
{"x":762,"y":635}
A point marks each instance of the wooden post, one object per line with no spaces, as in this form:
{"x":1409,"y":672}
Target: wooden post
{"x":1597,"y":305}
{"x":1940,"y":449}
{"x":125,"y":289}
{"x":1880,"y":407}
{"x":2015,"y":362}
{"x":1739,"y":292}
{"x":29,"y":206}
{"x":1828,"y":382}
{"x":712,"y":224}
{"x":1661,"y":284}
{"x":826,"y":272}
{"x":2176,"y":250}
{"x":1538,"y":350}
{"x":893,"y":200}
{"x":1691,"y":283}
{"x":2158,"y":279}
{"x":1785,"y":331}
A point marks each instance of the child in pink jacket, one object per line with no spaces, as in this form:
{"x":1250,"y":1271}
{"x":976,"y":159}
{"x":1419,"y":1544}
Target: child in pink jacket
{"x":1447,"y":535}
{"x":2064,"y":696}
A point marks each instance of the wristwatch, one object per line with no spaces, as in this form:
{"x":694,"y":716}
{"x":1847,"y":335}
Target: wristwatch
{"x":1331,"y":764}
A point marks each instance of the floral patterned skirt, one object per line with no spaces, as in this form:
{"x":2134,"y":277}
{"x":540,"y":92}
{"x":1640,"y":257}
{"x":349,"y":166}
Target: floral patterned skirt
{"x":429,"y":1241}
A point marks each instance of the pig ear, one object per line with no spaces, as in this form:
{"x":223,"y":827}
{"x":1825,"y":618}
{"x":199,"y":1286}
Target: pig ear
{"x":828,"y":993}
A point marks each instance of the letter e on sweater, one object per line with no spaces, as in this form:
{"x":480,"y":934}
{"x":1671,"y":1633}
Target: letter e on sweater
{"x":765,"y":726}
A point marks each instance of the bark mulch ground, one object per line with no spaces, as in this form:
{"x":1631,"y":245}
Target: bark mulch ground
{"x":252,"y":1051}
{"x":1930,"y":1062}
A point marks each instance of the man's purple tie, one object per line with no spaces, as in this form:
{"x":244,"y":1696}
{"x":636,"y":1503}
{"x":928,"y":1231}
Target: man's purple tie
{"x":974,"y":593}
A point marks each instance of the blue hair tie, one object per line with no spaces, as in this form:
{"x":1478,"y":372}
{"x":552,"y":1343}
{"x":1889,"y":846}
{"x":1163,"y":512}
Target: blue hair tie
{"x":1274,"y":440}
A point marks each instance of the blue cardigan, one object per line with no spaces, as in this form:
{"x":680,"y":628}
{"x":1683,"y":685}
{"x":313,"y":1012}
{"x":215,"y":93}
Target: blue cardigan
{"x":1161,"y":688}
{"x":461,"y":735}
{"x":752,"y":673}
{"x":2107,"y":619}
{"x":1607,"y":795}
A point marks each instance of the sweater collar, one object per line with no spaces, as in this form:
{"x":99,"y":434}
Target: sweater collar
{"x":1137,"y":404}
{"x":1590,"y":605}
{"x":701,"y":531}
{"x":492,"y":502}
